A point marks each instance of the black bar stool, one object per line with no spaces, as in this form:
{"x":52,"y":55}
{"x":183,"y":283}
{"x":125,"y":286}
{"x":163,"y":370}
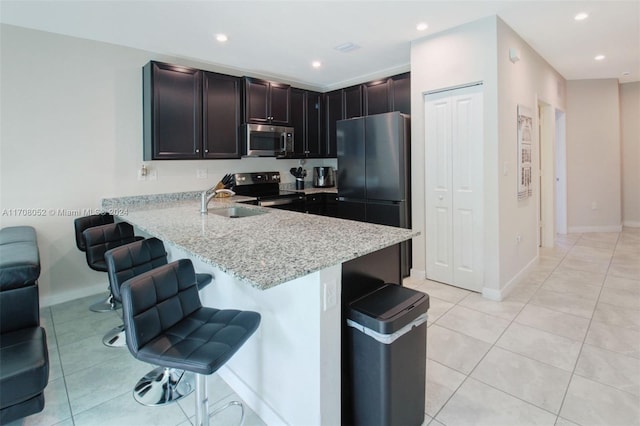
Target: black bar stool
{"x":99,"y":239}
{"x":167,"y":325}
{"x":127,"y":261}
{"x":86,"y":222}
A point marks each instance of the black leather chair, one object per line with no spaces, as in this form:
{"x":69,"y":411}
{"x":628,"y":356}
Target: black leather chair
{"x":24,"y":359}
{"x":99,"y":239}
{"x":126,"y":262}
{"x":86,"y":222}
{"x":167,"y":325}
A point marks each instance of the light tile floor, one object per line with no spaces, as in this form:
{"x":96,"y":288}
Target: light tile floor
{"x":563,"y":348}
{"x":91,"y":384}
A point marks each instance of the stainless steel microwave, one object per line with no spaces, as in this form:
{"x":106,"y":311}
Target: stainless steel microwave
{"x":266,"y":140}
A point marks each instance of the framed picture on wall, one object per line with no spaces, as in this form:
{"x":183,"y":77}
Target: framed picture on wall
{"x":525,"y":135}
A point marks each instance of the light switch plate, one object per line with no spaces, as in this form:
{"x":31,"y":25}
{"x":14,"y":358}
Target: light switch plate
{"x":330,"y":295}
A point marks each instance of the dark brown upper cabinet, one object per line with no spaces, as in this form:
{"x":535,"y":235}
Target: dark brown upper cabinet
{"x":390,"y":94}
{"x":172,"y":112}
{"x":189,"y":113}
{"x":376,"y":97}
{"x":352,"y":98}
{"x":401,"y":93}
{"x":339,"y":105}
{"x":266,"y":101}
{"x":334,"y":111}
{"x":306,"y":119}
{"x":221,"y":111}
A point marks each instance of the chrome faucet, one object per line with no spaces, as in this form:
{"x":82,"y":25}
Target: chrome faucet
{"x":205,"y":197}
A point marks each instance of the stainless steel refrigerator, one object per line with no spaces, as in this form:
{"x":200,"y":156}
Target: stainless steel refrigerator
{"x":374,"y":172}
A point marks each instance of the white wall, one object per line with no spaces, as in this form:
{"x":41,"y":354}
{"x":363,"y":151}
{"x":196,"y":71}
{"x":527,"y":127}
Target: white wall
{"x":71,"y":115}
{"x":593,"y":156}
{"x":528,"y":81}
{"x":630,"y":124}
{"x":479,"y":51}
{"x":452,"y":58}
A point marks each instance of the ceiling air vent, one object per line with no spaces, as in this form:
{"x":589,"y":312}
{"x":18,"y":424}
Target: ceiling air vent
{"x":347,"y":47}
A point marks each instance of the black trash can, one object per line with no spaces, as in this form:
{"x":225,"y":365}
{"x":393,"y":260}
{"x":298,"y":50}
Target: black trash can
{"x":388,"y":345}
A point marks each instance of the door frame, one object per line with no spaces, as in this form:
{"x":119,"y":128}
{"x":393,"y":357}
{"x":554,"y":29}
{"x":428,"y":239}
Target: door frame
{"x":546,"y":192}
{"x":560,"y":149}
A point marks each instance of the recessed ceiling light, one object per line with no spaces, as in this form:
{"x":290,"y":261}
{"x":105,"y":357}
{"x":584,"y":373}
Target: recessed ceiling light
{"x":581,"y":16}
{"x":422,"y":26}
{"x":221,"y":38}
{"x":316,"y":64}
{"x":599,"y":57}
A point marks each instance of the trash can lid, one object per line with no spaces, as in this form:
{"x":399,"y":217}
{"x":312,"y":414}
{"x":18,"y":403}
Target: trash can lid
{"x":388,"y":308}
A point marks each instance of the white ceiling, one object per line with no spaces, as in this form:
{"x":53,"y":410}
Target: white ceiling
{"x":282,"y":38}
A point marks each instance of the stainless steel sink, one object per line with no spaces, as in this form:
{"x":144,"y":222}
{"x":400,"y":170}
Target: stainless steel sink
{"x":236,"y":212}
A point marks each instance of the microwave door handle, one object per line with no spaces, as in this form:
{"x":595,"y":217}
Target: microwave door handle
{"x":283,"y":138}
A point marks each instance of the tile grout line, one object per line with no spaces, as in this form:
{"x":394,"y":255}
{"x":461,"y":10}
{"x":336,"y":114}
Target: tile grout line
{"x":467,"y":376}
{"x":595,"y":307}
{"x":64,"y":376}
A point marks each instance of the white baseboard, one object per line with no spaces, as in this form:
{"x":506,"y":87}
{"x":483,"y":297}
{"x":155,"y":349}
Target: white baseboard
{"x":492,"y":294}
{"x":67,"y":296}
{"x":418,"y":274}
{"x":252,"y":399}
{"x":587,"y":229}
{"x":631,"y":223}
{"x":499,"y":295}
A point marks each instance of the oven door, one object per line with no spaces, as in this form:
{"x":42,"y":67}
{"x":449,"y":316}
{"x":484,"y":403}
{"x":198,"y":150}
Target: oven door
{"x":296,"y":204}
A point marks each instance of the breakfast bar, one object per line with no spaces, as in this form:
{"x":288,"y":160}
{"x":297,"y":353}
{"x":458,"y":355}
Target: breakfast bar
{"x":287,"y":266}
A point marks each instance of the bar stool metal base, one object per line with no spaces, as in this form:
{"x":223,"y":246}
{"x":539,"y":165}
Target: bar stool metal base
{"x":163,"y":386}
{"x":115,"y":338}
{"x":202,"y":403}
{"x":107,"y":305}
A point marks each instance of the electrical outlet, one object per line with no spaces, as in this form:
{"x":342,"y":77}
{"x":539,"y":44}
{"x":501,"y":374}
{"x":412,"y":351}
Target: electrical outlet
{"x":518,"y":238}
{"x":153,"y":175}
{"x":141,"y":175}
{"x":330,"y":295}
{"x":201,"y":173}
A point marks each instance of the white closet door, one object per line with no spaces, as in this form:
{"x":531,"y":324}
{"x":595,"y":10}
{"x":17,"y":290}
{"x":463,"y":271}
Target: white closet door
{"x":439,"y":200}
{"x":453,"y":146}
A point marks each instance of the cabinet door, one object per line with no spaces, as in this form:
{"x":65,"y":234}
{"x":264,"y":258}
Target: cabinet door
{"x":221,"y":112}
{"x":401,"y":91}
{"x":172,"y":107}
{"x":314,"y":124}
{"x":352,"y":210}
{"x":376,"y":97}
{"x":352,"y":102}
{"x":333,"y":112}
{"x":256,"y":100}
{"x":298,"y":122}
{"x":279,"y":101}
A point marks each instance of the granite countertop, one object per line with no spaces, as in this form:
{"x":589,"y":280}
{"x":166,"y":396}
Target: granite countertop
{"x":263,"y":250}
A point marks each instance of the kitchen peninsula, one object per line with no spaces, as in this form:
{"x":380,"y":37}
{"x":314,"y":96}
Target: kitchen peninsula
{"x":289,"y":267}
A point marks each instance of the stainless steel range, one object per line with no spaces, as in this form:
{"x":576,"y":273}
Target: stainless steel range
{"x":265,"y":186}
